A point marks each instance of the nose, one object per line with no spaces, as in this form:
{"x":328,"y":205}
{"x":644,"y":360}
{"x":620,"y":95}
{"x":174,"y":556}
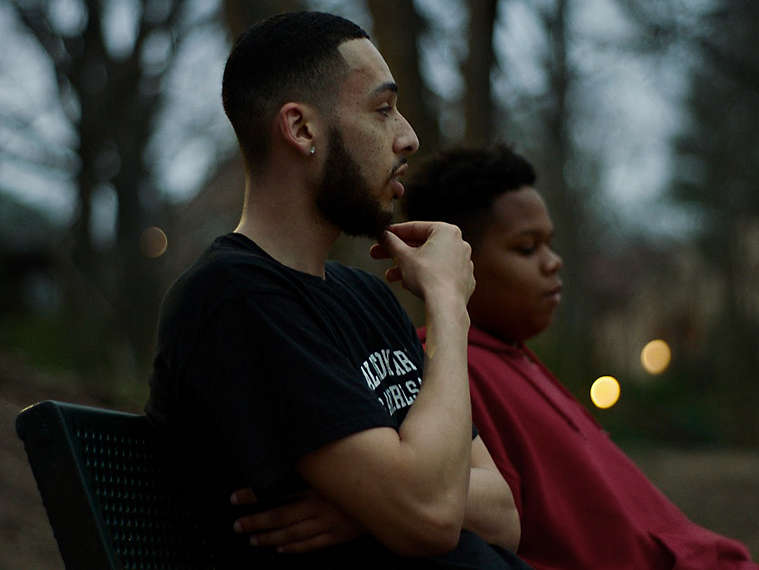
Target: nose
{"x":406,"y":141}
{"x":553,"y":262}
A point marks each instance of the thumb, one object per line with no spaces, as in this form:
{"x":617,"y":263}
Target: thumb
{"x":394,"y":245}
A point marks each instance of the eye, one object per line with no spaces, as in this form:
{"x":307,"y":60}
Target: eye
{"x":526,"y":247}
{"x":385,"y":111}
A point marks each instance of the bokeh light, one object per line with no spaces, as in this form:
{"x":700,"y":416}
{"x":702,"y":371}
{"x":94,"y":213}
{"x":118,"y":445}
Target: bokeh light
{"x":153,"y":242}
{"x":656,"y":356}
{"x":605,"y":392}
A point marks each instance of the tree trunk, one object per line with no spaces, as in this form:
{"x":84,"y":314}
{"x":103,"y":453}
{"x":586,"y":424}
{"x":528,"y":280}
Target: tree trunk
{"x":240,"y":14}
{"x":478,"y":99}
{"x":397,"y":27}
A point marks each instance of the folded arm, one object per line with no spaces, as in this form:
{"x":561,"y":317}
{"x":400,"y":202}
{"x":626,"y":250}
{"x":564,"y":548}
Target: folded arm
{"x":312,"y":522}
{"x":491,"y":511}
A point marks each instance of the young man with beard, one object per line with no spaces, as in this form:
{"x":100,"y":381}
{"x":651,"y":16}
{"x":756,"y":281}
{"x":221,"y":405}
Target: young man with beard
{"x":303,"y":379}
{"x":583,"y":504}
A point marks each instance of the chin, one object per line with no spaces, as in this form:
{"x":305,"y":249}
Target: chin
{"x":540,"y":327}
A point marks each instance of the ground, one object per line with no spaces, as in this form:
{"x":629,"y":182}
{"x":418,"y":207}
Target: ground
{"x":718,"y":488}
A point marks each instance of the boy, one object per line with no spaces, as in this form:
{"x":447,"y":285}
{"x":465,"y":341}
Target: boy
{"x":582,"y":503}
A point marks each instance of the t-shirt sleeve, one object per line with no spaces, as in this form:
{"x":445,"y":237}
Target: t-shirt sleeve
{"x":277,"y":386}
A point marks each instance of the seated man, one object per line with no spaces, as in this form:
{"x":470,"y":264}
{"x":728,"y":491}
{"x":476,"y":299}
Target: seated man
{"x":281,"y":372}
{"x":583,"y":505}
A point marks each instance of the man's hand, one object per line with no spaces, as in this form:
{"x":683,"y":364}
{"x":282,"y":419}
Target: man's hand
{"x":429,"y":257}
{"x":309,"y":523}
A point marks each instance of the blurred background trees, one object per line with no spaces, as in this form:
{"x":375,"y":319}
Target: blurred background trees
{"x":640,"y":116}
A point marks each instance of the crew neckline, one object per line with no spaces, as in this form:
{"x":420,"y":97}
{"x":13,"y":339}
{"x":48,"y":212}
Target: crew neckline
{"x":245,"y":241}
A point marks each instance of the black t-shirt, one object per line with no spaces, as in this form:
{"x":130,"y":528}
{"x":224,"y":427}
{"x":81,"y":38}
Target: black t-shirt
{"x":258,"y":364}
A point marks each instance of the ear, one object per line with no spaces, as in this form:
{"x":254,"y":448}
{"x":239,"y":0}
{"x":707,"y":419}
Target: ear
{"x":298,"y":124}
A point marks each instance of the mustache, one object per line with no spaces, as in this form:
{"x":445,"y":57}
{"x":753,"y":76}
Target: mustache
{"x":401,"y":163}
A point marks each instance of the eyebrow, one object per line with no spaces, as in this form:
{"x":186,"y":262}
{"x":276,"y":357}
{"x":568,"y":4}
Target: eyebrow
{"x":387,"y":86}
{"x":535,"y":232}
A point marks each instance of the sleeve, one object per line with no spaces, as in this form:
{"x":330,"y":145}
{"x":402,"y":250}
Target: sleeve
{"x":491,"y":419}
{"x":276,"y":386}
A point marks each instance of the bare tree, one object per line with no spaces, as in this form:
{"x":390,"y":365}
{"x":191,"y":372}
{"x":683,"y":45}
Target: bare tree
{"x":397,"y":28}
{"x":239,"y":14}
{"x":478,"y":98}
{"x":114,"y":99}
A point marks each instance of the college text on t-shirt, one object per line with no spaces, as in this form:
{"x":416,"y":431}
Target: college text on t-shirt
{"x":393,"y":378}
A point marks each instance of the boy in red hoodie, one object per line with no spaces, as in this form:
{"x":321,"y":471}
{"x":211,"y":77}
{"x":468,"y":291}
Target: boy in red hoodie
{"x":583,"y":504}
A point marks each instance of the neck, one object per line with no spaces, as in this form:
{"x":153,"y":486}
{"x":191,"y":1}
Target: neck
{"x":497,"y":333}
{"x":281,"y":217}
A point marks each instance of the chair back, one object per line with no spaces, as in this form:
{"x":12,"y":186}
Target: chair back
{"x":98,"y":473}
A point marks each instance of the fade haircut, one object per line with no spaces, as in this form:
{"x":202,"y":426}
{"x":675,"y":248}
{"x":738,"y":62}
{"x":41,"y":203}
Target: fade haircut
{"x":459,"y":186}
{"x":288,"y":57}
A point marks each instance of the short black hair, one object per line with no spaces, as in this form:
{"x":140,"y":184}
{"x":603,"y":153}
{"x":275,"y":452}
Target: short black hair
{"x":459,"y":186}
{"x":288,"y":57}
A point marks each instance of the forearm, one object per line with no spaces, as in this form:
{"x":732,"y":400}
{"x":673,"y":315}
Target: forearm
{"x":490,"y":509}
{"x":438,"y":426}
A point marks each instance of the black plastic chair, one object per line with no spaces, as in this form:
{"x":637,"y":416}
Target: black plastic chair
{"x":98,"y":473}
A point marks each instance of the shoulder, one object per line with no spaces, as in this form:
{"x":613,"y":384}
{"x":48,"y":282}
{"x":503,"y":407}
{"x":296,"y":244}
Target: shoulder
{"x":361,"y":282}
{"x":492,"y":368}
{"x":231,"y":263}
{"x":354,"y":275}
{"x":228,"y":271}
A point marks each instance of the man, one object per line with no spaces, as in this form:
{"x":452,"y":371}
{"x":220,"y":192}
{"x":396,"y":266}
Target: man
{"x":303,"y":379}
{"x":582,"y":503}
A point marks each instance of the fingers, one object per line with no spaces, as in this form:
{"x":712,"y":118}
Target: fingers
{"x":307,"y":535}
{"x":276,"y":518}
{"x":298,"y":532}
{"x":243,"y":497}
{"x":378,"y":251}
{"x":314,"y":543}
{"x":392,"y":246}
{"x":413,"y":233}
{"x":303,"y":525}
{"x":393,"y":274}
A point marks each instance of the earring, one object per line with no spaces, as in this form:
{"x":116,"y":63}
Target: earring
{"x":312,"y":151}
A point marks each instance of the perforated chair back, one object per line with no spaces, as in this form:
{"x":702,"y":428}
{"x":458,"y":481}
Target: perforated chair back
{"x":97,"y":472}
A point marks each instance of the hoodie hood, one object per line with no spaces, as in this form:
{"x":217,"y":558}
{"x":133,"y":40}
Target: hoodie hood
{"x":478,"y":337}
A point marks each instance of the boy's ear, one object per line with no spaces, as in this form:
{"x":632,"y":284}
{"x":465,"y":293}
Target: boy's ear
{"x":297,"y":123}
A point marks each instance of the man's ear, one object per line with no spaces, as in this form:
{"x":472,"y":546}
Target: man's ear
{"x":298,"y":124}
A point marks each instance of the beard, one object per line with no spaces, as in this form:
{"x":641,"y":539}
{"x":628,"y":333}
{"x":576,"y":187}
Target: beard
{"x":344,"y":197}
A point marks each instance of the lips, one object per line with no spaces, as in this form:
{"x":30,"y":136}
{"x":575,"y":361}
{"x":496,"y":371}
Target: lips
{"x":397,"y":185}
{"x":555,"y":293}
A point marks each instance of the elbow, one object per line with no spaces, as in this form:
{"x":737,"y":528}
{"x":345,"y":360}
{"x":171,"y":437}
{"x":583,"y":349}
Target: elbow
{"x":428,"y":534}
{"x":511,"y":535}
{"x":438,"y":536}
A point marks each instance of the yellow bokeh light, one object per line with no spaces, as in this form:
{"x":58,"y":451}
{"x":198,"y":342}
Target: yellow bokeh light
{"x":656,"y":356}
{"x":153,"y":242}
{"x":605,"y":392}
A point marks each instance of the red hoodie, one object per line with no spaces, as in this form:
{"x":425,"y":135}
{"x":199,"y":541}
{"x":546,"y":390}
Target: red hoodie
{"x":583,"y":504}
